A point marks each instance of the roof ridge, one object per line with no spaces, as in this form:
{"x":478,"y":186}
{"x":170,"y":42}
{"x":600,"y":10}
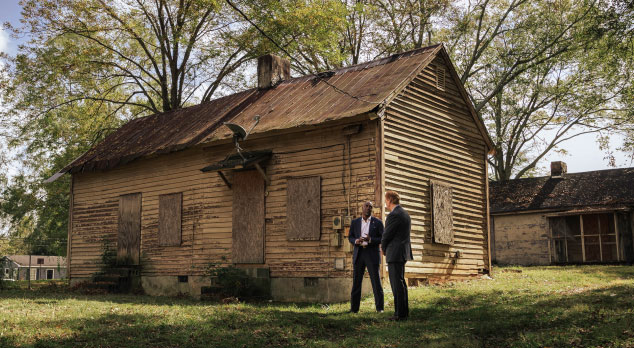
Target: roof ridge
{"x":368,"y":64}
{"x":565,"y":175}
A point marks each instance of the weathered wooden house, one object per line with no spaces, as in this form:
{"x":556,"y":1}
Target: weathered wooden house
{"x":178,"y":191}
{"x":34,"y":267}
{"x":564,"y":218}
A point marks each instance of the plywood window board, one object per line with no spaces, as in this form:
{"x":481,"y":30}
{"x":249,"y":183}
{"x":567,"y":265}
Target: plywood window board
{"x":170,"y":219}
{"x":129,"y":229}
{"x":303,"y":208}
{"x":442,"y":213}
{"x":248,"y":217}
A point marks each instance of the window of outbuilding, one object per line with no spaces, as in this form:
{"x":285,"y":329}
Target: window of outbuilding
{"x":584,"y":238}
{"x":170,"y":218}
{"x":40,"y":261}
{"x":303,"y":208}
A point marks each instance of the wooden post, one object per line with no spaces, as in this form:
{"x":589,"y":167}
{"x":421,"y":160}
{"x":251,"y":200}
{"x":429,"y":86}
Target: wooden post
{"x":600,"y":241}
{"x":550,"y":239}
{"x":29,"y":271}
{"x":381,"y":202}
{"x":616,"y":236}
{"x":566,"y":231}
{"x":486,"y":203}
{"x":583,"y":242}
{"x":70,"y":228}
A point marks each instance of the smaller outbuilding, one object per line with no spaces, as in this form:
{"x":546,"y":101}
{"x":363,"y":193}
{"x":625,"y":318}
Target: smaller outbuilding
{"x":563,"y":218}
{"x":35,"y":267}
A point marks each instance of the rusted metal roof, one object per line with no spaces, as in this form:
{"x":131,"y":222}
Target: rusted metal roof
{"x":307,"y":100}
{"x":611,"y":188}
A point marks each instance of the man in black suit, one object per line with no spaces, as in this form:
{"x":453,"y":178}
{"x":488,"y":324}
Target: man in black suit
{"x":398,"y":250}
{"x":365,"y":234}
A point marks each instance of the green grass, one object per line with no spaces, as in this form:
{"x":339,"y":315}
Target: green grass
{"x":585,"y":306}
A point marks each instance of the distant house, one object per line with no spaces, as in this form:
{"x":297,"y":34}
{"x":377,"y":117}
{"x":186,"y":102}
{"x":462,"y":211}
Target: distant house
{"x":563,"y":218}
{"x":37,"y":267}
{"x":175,"y":192}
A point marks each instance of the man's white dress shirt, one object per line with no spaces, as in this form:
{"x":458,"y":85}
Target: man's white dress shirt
{"x":365,"y":229}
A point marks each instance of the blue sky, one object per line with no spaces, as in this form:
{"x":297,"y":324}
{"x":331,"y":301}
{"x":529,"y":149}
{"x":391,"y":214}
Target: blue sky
{"x":583,"y":153}
{"x":9,"y":12}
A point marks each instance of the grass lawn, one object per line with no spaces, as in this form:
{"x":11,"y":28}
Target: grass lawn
{"x":575,"y":306}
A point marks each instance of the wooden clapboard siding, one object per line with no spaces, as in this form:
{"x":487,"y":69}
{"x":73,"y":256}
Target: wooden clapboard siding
{"x":207,"y":204}
{"x":429,"y":134}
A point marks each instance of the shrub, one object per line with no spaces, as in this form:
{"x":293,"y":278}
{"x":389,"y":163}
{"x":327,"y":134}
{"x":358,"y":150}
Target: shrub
{"x":234,"y":282}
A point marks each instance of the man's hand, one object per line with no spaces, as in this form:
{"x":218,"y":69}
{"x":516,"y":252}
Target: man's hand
{"x":357,"y":241}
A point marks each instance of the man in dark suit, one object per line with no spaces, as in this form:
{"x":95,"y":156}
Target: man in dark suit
{"x":365,"y":234}
{"x":398,"y":250}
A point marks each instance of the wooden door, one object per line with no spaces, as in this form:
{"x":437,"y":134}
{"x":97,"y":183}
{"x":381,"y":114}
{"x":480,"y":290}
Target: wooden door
{"x":248,"y":217}
{"x":129,"y":236}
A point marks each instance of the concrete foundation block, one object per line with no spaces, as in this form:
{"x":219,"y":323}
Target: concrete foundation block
{"x":325,"y":290}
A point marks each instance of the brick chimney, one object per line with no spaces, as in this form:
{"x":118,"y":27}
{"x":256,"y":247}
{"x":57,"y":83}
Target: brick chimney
{"x":272,"y":70}
{"x":558,"y":169}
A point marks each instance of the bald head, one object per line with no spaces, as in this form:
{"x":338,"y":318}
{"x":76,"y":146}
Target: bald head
{"x":367,"y":209}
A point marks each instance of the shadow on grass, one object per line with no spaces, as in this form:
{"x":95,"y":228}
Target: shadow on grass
{"x":600,"y":317}
{"x":451,"y":317}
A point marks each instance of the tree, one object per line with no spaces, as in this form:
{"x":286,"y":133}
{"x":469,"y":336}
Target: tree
{"x":308,"y":31}
{"x":93,"y":65}
{"x":538,"y":72}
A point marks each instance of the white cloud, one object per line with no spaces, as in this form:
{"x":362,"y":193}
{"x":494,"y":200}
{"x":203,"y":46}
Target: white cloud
{"x":4,"y":40}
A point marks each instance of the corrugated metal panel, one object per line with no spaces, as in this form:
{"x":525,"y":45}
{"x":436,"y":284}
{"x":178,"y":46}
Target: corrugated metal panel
{"x":306,"y":100}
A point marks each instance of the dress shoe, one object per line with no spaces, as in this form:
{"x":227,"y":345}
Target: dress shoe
{"x":395,"y":318}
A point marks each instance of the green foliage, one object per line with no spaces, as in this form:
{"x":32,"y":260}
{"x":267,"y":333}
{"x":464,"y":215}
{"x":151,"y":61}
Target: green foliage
{"x":310,"y":30}
{"x":108,"y":256}
{"x":7,"y":284}
{"x":539,"y":73}
{"x":229,"y":281}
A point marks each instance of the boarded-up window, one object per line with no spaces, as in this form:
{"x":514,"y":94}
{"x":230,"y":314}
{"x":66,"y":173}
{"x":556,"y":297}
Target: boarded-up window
{"x":442,"y":213}
{"x":170,"y":219}
{"x":248,"y":217}
{"x":129,"y":236}
{"x":303,"y":208}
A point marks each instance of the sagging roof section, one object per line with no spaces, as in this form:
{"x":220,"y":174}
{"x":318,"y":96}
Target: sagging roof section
{"x":613,"y":188}
{"x":301,"y":101}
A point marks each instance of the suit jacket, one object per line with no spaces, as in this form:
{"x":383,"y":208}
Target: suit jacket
{"x":396,"y":240}
{"x":375,"y":233}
